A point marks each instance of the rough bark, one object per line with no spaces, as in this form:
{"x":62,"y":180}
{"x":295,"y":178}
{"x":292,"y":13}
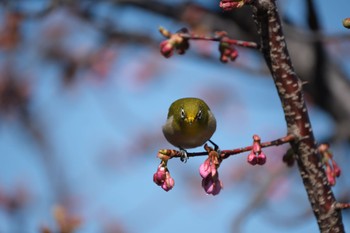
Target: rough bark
{"x":289,"y":88}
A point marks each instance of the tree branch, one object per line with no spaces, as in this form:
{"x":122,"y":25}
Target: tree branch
{"x":340,"y":206}
{"x":224,"y":153}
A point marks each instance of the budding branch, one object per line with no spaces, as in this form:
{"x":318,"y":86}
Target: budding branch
{"x":226,"y":153}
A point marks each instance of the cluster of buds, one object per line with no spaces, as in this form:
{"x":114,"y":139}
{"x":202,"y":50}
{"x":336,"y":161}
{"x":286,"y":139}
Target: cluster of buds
{"x":256,"y":156}
{"x":174,"y":42}
{"x":208,"y":171}
{"x":332,"y":168}
{"x":227,"y":50}
{"x":162,"y":176}
{"x":228,"y":5}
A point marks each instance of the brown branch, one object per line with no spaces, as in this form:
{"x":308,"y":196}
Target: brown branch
{"x":169,"y":154}
{"x":341,"y":206}
{"x":221,"y":37}
{"x":277,"y":142}
{"x":289,"y":88}
{"x":179,"y":42}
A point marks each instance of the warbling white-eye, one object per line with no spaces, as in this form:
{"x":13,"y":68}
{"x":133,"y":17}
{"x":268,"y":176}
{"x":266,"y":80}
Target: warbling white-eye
{"x":190,"y":124}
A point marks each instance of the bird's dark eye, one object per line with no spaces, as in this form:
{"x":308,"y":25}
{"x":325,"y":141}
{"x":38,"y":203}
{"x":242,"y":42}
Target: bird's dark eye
{"x":199,"y":115}
{"x":183,"y":114}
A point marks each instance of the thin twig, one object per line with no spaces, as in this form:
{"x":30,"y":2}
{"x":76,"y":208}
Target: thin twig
{"x":242,"y":43}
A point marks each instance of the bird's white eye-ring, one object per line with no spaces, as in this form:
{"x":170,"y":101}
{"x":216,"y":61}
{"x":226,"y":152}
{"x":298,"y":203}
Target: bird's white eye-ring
{"x":199,"y":115}
{"x":183,"y":114}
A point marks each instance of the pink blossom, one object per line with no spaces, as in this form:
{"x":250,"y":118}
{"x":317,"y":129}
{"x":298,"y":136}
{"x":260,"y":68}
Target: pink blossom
{"x":256,"y":156}
{"x":209,"y":172}
{"x":336,"y":168}
{"x":162,"y":178}
{"x":212,"y":185}
{"x":330,"y":175}
{"x":166,"y":48}
{"x":261,"y":159}
{"x":160,"y":175}
{"x":256,"y":147}
{"x":204,"y":169}
{"x":208,"y":167}
{"x":168,"y":182}
{"x":227,"y":52}
{"x":233,"y":55}
{"x":252,"y":159}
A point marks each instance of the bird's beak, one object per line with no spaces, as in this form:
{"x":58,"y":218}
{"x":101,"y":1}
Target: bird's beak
{"x":190,"y":120}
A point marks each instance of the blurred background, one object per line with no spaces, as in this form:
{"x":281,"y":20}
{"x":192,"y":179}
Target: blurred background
{"x":84,"y":92}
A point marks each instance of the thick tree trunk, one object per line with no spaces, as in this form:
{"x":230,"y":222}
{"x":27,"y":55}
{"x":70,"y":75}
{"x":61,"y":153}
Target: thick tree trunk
{"x":289,"y":88}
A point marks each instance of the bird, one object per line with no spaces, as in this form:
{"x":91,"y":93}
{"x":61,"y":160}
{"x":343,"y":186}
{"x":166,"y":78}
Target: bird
{"x":190,"y":123}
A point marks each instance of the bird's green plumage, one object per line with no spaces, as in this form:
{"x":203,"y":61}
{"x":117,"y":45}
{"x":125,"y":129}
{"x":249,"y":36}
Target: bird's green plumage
{"x":190,"y":123}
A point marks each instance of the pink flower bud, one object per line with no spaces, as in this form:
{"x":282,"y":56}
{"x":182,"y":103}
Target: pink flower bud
{"x":256,"y":147}
{"x":261,"y":159}
{"x":204,"y":169}
{"x":213,"y":169}
{"x":166,"y":48}
{"x":156,"y":179}
{"x":212,"y":185}
{"x":224,"y":59}
{"x":208,"y":184}
{"x":227,"y":52}
{"x":336,"y":169}
{"x":208,"y":171}
{"x":330,"y":175}
{"x":160,"y":175}
{"x":233,"y":55}
{"x":168,"y":183}
{"x":252,"y":159}
{"x":217,"y":187}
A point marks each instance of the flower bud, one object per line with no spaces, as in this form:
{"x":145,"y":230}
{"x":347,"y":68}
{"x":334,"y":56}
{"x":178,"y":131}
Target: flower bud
{"x":166,"y":48}
{"x":330,"y":175}
{"x":217,"y":187}
{"x":223,"y":59}
{"x":233,"y":55}
{"x":252,"y":159}
{"x":336,"y":169}
{"x":204,"y":169}
{"x":212,"y":185}
{"x":160,"y":175}
{"x":261,"y":159}
{"x":208,"y":184}
{"x":168,"y":183}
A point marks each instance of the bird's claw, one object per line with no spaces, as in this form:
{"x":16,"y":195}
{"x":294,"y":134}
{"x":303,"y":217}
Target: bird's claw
{"x":216,"y":147}
{"x":183,"y":155}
